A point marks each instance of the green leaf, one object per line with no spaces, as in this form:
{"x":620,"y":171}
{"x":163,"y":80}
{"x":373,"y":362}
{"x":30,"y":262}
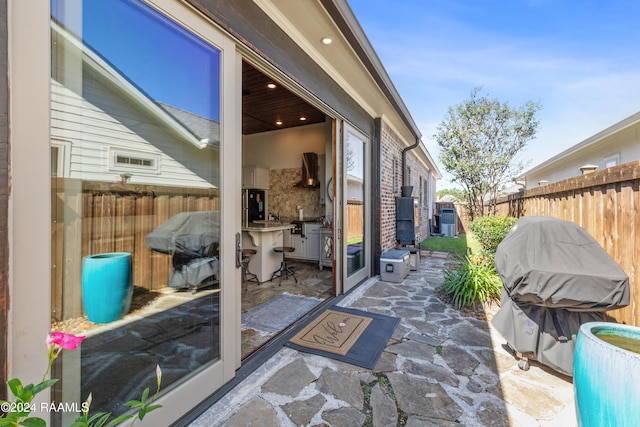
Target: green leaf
{"x":145,"y":395}
{"x":102,"y":420}
{"x":134,"y":403}
{"x":15,"y":386}
{"x":151,"y":408}
{"x":120,"y":419}
{"x":33,"y":422}
{"x":80,"y":422}
{"x":99,"y":415}
{"x":10,"y":420}
{"x":43,"y":385}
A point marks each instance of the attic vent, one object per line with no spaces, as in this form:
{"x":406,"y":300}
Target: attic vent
{"x":128,"y":161}
{"x":135,"y":161}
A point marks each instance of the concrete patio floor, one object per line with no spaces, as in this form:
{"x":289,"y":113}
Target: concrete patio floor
{"x":441,"y":368}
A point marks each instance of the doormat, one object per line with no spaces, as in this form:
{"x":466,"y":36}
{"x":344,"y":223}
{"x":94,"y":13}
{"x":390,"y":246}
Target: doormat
{"x":332,"y":331}
{"x":278,"y":313}
{"x":338,"y":327}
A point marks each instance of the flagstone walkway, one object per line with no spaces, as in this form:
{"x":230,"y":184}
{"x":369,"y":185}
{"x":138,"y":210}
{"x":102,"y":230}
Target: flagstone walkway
{"x":439,"y":369}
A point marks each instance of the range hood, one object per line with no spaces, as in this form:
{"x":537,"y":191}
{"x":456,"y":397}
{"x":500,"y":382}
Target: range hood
{"x":309,"y":171}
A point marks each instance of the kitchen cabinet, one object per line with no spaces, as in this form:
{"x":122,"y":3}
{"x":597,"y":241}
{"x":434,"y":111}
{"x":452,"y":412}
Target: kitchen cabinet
{"x":256,"y":176}
{"x":307,"y":244}
{"x":312,"y":233}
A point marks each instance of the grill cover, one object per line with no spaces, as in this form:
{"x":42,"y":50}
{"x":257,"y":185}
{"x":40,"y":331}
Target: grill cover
{"x":187,"y":234}
{"x":555,"y":277}
{"x":192,"y":239}
{"x":554,"y":263}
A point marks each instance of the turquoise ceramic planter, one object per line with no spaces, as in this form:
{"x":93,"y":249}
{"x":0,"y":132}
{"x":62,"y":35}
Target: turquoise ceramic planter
{"x":107,"y":287}
{"x":606,"y":376}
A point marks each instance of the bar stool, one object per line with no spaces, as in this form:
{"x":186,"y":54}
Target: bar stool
{"x":248,"y":276}
{"x":283,"y":270}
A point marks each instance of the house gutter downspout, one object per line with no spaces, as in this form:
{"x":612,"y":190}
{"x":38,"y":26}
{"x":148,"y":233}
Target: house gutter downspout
{"x":404,"y":159}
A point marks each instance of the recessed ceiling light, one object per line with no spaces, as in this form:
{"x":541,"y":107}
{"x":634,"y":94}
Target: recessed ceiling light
{"x":303,"y":118}
{"x":326,"y":40}
{"x":271,"y":85}
{"x":279,"y":122}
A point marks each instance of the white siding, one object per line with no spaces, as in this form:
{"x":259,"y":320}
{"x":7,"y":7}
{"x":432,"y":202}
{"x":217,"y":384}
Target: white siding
{"x":103,"y":118}
{"x":624,"y":143}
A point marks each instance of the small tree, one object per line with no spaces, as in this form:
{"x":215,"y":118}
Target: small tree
{"x":479,"y":140}
{"x":458,"y":193}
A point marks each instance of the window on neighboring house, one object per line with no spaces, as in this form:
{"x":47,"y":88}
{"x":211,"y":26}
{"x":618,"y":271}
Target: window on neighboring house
{"x":60,"y":158}
{"x":611,"y":161}
{"x":55,"y":154}
{"x":134,"y":161}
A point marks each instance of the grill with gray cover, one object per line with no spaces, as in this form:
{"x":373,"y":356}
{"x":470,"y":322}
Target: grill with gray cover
{"x":191,"y":238}
{"x":555,"y":277}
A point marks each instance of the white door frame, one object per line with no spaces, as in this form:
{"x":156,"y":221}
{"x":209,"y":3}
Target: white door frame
{"x":349,"y":281}
{"x":29,"y":216}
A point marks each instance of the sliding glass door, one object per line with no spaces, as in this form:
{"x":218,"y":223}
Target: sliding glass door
{"x":355,"y":203}
{"x":140,"y":262}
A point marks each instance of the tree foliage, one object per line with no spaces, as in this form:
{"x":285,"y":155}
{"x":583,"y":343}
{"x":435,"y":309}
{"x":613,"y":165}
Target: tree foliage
{"x":479,"y":140}
{"x":458,"y":193}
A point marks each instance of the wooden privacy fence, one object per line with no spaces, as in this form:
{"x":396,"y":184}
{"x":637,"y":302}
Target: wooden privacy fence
{"x":355,"y":218}
{"x":89,"y":217}
{"x":606,"y":204}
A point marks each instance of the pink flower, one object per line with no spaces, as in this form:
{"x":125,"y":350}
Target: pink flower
{"x":62,"y":340}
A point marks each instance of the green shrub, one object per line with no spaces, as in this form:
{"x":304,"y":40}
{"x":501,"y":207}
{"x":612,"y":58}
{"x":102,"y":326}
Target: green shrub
{"x":490,"y":230}
{"x":471,"y":282}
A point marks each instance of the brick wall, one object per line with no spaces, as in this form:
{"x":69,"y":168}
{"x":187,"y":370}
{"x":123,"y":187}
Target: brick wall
{"x":390,"y":182}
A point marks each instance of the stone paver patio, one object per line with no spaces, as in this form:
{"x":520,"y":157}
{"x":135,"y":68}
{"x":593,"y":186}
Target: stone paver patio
{"x":439,"y":369}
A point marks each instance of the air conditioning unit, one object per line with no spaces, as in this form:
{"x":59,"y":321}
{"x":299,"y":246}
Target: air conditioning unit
{"x":448,"y":222}
{"x":448,"y":230}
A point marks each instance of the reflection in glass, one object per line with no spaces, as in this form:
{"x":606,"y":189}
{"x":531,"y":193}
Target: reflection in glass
{"x":355,"y":203}
{"x":135,"y":103}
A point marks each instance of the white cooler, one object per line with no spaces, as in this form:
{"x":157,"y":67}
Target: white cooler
{"x":394,"y":265}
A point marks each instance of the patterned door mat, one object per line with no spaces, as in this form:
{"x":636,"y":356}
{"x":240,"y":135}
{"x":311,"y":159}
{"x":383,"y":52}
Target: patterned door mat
{"x":364,"y":336}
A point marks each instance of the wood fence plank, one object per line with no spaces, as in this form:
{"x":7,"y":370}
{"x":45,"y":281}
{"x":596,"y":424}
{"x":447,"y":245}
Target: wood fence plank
{"x":605,"y":203}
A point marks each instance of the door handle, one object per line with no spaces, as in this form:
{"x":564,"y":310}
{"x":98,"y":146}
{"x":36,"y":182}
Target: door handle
{"x":238,"y":251}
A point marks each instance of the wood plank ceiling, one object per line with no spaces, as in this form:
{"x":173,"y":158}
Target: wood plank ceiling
{"x":262,"y":107}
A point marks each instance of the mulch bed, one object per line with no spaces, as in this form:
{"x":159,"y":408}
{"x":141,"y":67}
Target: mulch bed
{"x":484,"y":311}
{"x":78,"y":325}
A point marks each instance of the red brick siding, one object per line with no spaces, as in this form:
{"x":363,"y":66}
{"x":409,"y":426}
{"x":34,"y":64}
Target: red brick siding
{"x":391,"y":147}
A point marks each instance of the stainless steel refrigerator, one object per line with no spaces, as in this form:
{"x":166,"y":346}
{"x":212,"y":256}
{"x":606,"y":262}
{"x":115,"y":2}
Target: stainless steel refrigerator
{"x":254,"y":205}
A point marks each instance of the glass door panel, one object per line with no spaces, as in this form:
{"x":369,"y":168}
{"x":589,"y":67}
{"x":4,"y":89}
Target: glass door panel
{"x":136,"y":211}
{"x":355,"y":203}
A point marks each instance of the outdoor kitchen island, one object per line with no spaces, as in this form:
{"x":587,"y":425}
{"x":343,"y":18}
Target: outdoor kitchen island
{"x":264,"y":237}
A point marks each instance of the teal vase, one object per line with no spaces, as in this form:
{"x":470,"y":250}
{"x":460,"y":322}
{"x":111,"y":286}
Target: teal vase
{"x":107,"y":288}
{"x":606,"y":375}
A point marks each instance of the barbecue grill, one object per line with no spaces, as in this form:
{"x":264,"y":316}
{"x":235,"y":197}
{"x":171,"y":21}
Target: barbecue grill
{"x":555,"y":277}
{"x":191,"y":238}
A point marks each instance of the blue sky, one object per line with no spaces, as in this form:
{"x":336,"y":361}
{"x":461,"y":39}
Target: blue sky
{"x":161,"y":58}
{"x":579,"y":59}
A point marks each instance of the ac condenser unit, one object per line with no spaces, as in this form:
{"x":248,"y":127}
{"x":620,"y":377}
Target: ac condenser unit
{"x":448,"y":222}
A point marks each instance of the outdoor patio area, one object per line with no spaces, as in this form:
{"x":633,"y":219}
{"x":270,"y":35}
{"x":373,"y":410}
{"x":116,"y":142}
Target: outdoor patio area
{"x":441,"y":367}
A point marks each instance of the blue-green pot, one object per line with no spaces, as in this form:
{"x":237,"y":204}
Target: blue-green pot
{"x":107,"y":287}
{"x":606,"y":375}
